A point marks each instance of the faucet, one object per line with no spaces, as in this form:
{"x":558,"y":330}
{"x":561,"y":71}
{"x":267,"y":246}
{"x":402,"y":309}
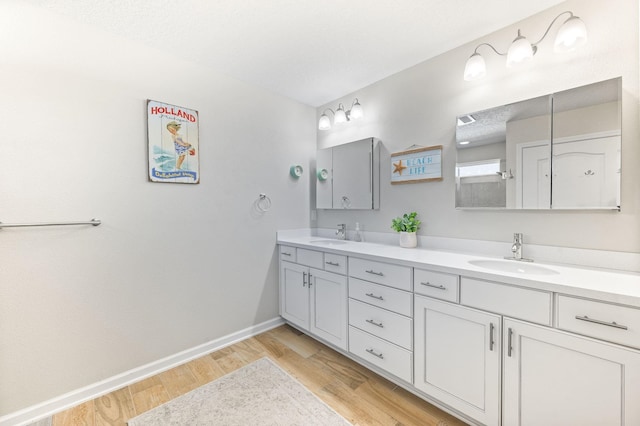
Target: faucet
{"x":342,"y":231}
{"x":516,"y":249}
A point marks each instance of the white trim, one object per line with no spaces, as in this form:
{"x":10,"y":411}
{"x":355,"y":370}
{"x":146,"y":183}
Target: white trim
{"x":87,"y":393}
{"x":519,"y":148}
{"x":586,"y":136}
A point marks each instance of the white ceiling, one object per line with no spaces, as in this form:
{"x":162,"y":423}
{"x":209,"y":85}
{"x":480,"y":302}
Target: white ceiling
{"x":311,"y":51}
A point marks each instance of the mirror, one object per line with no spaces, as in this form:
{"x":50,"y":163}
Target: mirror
{"x":348,"y":176}
{"x":503,"y":153}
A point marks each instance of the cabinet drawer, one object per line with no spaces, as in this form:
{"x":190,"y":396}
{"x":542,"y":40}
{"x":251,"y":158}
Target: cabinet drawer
{"x":335,"y":263}
{"x":436,"y":284}
{"x":288,"y":253}
{"x":517,"y":302}
{"x":310,"y":258}
{"x":381,"y":353}
{"x":381,"y":323}
{"x":382,"y":273}
{"x":618,"y":324}
{"x":384,"y":297}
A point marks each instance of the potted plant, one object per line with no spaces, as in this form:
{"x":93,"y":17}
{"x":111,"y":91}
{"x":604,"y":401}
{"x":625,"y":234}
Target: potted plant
{"x":407,"y":225}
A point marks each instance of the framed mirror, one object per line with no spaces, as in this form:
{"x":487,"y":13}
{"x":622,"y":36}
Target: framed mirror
{"x":558,"y":151}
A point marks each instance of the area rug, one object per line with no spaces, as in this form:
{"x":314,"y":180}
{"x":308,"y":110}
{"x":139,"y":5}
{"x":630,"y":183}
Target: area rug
{"x":260,"y":393}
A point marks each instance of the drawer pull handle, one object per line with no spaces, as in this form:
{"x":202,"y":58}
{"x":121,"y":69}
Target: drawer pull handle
{"x":377,"y":324}
{"x":328,"y":262}
{"x":509,"y":343}
{"x":439,"y":287}
{"x":374,"y":296}
{"x":609,"y":324}
{"x":284,"y":253}
{"x":491,"y":342}
{"x":371,"y":271}
{"x":372,"y":352}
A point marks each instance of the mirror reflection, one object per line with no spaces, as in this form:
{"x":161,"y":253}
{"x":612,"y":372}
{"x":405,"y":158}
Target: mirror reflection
{"x":560,"y":151}
{"x":586,"y":147}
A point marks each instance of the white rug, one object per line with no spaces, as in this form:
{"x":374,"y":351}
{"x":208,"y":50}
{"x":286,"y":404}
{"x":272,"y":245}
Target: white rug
{"x":257,"y":394}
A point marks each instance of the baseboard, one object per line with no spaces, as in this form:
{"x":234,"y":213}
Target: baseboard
{"x":87,"y":393}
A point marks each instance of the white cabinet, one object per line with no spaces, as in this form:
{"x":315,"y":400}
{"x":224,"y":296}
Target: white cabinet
{"x":328,"y":313}
{"x":518,"y":302}
{"x":457,"y":357}
{"x":314,"y":299}
{"x":495,"y":353}
{"x":593,"y":318}
{"x":348,"y":176}
{"x":294,"y":294}
{"x":553,"y":377}
{"x":380,"y":315}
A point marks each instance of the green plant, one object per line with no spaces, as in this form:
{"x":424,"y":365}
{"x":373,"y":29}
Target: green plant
{"x":406,"y":223}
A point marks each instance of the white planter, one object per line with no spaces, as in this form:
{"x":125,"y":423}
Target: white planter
{"x":408,"y":239}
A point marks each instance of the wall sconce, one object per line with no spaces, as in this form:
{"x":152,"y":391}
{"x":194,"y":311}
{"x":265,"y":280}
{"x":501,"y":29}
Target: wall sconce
{"x":571,"y":35}
{"x":340,"y":115}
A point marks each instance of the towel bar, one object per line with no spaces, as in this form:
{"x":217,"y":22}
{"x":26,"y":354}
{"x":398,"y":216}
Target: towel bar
{"x":94,"y":222}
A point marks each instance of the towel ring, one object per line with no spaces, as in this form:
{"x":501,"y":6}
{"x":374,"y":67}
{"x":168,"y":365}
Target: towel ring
{"x":263,"y":203}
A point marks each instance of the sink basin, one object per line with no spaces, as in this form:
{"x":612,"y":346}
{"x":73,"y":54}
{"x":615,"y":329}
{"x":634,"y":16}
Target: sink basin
{"x":513,"y":267}
{"x":328,"y":242}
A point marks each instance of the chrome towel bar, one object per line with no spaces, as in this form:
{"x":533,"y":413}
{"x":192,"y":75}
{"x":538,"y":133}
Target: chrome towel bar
{"x":94,"y":222}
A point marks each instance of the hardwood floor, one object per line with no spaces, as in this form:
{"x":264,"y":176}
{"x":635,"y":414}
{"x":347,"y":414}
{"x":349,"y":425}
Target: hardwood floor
{"x":359,"y":395}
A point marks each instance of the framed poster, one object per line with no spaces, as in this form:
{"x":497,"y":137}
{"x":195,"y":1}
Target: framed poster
{"x":422,"y":164}
{"x":173,"y":144}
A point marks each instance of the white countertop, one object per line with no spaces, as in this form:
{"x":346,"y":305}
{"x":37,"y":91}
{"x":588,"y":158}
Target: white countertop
{"x":603,"y":284}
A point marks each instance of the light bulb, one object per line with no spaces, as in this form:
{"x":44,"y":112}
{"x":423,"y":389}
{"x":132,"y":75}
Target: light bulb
{"x":571,"y":35}
{"x":356,"y":111}
{"x":340,"y":116}
{"x":520,"y":51}
{"x":475,"y":68}
{"x":324,"y":123}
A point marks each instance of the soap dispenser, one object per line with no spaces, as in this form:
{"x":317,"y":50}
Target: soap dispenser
{"x":357,"y":233}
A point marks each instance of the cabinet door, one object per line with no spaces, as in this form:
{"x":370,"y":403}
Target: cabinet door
{"x":556,"y":378}
{"x":352,"y":175}
{"x":457,"y":357}
{"x":324,"y":186}
{"x":294,"y":294}
{"x":329,"y":307}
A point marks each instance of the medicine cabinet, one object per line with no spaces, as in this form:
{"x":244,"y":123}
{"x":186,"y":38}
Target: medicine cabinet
{"x":348,"y":176}
{"x":559,"y":151}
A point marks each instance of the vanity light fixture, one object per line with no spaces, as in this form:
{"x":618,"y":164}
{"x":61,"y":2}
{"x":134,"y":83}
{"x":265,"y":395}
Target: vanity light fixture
{"x":571,"y":35}
{"x":340,"y":115}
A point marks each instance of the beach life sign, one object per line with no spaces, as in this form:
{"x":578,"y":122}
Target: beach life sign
{"x":419,"y":164}
{"x":173,"y":143}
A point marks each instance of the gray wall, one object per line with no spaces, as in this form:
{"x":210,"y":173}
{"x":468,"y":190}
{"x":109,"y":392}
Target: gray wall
{"x":172,"y":266}
{"x":419,"y":106}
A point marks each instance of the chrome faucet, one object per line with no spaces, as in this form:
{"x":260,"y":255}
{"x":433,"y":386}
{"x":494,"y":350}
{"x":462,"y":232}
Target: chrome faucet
{"x":516,"y":249}
{"x":341,"y":233}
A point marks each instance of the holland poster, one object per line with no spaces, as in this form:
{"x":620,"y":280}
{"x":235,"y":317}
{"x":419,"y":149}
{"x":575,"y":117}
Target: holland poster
{"x":173,"y":143}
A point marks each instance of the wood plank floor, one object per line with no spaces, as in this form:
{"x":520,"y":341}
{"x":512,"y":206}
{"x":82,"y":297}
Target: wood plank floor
{"x":359,"y":395}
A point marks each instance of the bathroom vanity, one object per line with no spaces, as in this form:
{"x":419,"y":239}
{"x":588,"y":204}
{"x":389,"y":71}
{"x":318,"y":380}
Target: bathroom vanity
{"x":492,"y":341}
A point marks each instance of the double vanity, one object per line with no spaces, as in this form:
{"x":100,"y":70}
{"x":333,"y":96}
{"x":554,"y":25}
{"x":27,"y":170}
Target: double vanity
{"x":492,"y":341}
